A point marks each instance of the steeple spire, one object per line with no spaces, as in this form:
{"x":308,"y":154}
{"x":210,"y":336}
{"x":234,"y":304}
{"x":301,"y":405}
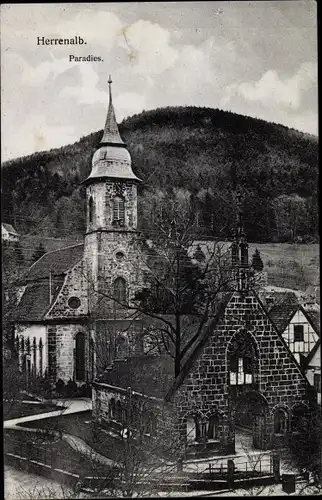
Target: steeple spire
{"x":111,"y":135}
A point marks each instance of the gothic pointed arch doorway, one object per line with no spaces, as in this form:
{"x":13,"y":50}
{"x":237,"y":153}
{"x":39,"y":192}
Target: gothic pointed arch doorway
{"x":250,"y":418}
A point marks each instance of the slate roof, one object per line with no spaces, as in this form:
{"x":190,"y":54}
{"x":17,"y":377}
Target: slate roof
{"x":281,"y":315}
{"x":314,"y":319}
{"x":58,"y":262}
{"x":149,"y":375}
{"x":284,"y":308}
{"x":34,"y":303}
{"x":9,"y":228}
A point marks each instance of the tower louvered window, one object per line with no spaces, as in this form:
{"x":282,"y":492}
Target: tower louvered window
{"x":91,"y":209}
{"x":118,"y":211}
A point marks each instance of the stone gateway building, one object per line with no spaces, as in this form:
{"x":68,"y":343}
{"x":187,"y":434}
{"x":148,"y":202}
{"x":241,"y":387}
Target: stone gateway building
{"x":240,"y":376}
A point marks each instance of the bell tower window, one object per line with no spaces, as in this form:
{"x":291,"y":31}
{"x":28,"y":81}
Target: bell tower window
{"x":118,"y":211}
{"x":91,"y":209}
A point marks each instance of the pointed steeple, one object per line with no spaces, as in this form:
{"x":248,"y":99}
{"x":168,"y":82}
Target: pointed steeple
{"x":111,"y":135}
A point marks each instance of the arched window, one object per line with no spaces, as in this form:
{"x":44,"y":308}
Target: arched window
{"x":280,"y":422}
{"x":191,"y":429}
{"x":121,"y":347}
{"x":91,"y":210}
{"x":91,"y":358}
{"x":79,"y":358}
{"x":213,"y":427}
{"x":40,"y":357}
{"x":112,"y":409}
{"x":242,"y":360}
{"x":120,"y":290}
{"x":118,"y":211}
{"x":34,"y":358}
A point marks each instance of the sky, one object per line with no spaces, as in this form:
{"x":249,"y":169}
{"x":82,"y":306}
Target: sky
{"x":254,"y":58}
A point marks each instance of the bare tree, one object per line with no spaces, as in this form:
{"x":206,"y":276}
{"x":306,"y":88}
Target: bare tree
{"x":179,"y":283}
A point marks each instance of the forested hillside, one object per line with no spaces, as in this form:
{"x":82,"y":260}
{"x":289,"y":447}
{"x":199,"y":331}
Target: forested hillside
{"x":201,"y":153}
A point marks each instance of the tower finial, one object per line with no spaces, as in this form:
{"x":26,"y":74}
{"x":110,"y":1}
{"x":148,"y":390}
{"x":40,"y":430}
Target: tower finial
{"x":110,"y":87}
{"x":111,"y":133}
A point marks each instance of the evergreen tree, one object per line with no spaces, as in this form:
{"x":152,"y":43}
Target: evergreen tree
{"x":39,"y":252}
{"x":19,"y":257}
{"x":257,"y":263}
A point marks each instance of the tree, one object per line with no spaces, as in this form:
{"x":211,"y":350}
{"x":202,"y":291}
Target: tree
{"x":290,"y":216}
{"x":39,"y":252}
{"x":177,"y":290}
{"x":257,"y":263}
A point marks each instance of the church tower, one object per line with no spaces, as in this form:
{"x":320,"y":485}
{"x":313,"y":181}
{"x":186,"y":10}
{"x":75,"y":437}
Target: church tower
{"x":111,"y":206}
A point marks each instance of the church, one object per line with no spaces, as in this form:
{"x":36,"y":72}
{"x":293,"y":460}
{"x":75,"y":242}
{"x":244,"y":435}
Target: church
{"x":63,"y":299}
{"x":68,"y":324}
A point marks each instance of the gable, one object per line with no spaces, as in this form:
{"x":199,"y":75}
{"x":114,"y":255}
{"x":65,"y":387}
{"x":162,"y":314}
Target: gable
{"x":74,"y":287}
{"x":207,"y":382}
{"x":310,"y":337}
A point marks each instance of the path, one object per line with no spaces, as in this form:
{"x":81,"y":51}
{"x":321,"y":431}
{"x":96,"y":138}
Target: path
{"x":79,"y":445}
{"x":67,"y":406}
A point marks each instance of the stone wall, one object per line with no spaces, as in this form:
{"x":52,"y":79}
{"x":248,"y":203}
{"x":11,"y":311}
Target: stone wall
{"x":74,"y":286}
{"x":108,"y":256}
{"x":166,"y":437}
{"x":102,"y":194}
{"x":206,"y":388}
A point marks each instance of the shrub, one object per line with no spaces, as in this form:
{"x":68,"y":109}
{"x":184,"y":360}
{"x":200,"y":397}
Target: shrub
{"x":71,"y":389}
{"x":60,"y":386}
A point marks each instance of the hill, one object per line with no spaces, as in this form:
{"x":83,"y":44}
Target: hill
{"x":207,"y":152}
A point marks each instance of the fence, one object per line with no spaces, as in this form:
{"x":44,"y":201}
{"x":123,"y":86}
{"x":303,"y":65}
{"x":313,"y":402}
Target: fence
{"x":56,"y":455}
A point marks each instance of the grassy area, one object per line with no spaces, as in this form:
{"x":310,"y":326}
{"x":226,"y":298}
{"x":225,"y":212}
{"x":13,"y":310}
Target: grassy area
{"x":82,"y":426}
{"x":19,"y":409}
{"x":289,"y":265}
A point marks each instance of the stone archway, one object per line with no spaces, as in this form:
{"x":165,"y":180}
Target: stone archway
{"x":250,"y":421}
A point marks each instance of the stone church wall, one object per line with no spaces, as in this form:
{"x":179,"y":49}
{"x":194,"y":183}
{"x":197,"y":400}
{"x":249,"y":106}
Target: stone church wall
{"x":61,"y":339}
{"x":206,"y":390}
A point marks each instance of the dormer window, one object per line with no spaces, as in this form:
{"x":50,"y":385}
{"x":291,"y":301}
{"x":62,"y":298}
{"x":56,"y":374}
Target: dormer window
{"x":118,"y":211}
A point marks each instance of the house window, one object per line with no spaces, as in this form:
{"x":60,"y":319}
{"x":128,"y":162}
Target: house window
{"x":91,"y":209}
{"x":118,"y":211}
{"x":298,"y":333}
{"x":317,"y":382}
{"x":80,"y":356}
{"x":120,"y":290}
{"x":280,"y":422}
